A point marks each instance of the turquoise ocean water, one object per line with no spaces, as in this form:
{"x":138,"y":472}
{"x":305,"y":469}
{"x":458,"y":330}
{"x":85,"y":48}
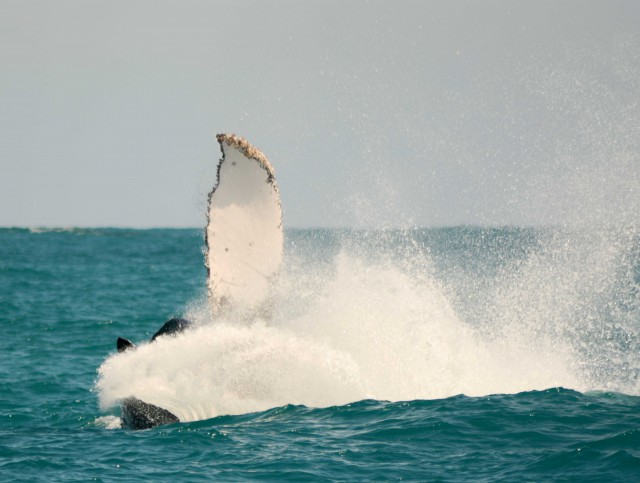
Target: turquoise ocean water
{"x":453,"y":354}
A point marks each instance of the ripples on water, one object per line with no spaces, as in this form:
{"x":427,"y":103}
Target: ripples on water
{"x":417,"y":316}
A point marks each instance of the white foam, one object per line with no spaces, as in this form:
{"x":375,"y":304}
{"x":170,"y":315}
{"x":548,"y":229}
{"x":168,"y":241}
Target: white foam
{"x":225,"y":369}
{"x":356,"y":330}
{"x":108,"y":422}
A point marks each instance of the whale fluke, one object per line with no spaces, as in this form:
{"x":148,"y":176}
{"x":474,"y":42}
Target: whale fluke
{"x":244,"y":234}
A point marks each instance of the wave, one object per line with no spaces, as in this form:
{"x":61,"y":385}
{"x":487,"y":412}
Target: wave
{"x":376,"y":319}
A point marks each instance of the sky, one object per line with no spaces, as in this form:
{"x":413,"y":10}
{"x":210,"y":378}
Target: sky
{"x":374,"y":114}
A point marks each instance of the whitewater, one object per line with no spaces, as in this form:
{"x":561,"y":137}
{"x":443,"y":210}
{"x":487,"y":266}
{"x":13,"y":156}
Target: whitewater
{"x":406,"y":315}
{"x":444,"y":354}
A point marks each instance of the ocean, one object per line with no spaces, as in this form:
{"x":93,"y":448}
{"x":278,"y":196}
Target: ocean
{"x":443,"y":354}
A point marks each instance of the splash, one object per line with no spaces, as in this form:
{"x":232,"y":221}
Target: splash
{"x":229,"y":369}
{"x":578,"y":296}
{"x":374,"y":317}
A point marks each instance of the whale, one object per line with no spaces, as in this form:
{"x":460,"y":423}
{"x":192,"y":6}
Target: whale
{"x":137,"y":414}
{"x":170,"y":327}
{"x":244,"y":241}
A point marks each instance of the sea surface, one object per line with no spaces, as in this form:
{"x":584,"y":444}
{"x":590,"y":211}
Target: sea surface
{"x":449,"y":354}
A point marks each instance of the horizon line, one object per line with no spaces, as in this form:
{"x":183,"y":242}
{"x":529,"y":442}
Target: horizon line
{"x":313,"y":227}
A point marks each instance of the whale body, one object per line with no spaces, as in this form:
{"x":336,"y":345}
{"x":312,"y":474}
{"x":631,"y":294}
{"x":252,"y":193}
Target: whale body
{"x":137,"y":414}
{"x":172,"y":326}
{"x":244,"y":247}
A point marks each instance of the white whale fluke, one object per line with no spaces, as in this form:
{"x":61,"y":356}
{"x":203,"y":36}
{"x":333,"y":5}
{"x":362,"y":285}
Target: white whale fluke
{"x":244,"y":233}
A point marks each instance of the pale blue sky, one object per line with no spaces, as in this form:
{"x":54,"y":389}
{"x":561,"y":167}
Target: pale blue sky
{"x":373,"y":113}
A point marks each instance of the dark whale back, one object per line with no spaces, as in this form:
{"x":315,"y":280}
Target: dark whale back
{"x":173,"y":326}
{"x":137,"y":414}
{"x":124,"y":344}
